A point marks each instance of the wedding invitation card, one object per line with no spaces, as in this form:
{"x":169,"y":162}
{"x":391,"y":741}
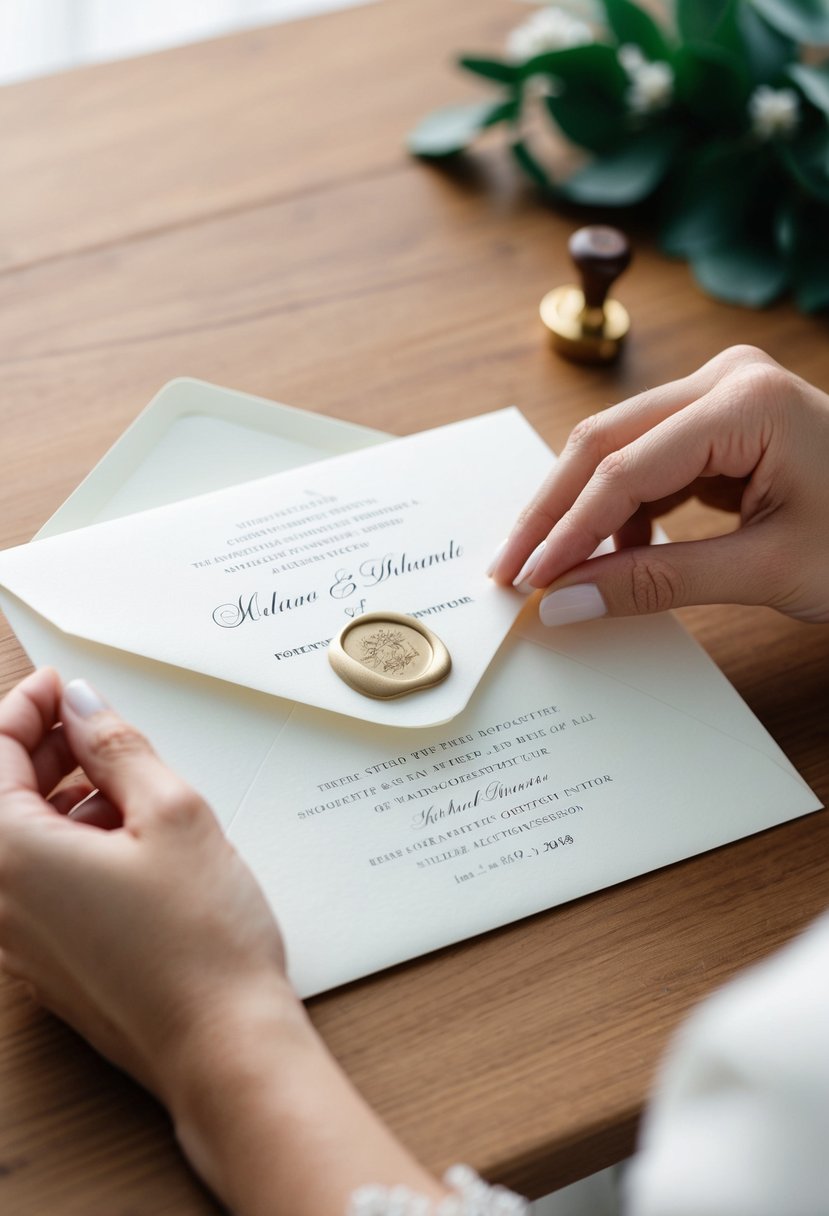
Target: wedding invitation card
{"x":549,"y":764}
{"x":585,"y":758}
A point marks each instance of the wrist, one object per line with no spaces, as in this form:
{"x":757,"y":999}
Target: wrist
{"x":269,"y":1121}
{"x":226,"y":1074}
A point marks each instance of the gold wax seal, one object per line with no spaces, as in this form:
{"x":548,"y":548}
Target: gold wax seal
{"x":385,"y":654}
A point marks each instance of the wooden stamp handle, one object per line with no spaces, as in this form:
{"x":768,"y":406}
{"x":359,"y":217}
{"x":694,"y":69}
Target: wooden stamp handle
{"x":600,"y":254}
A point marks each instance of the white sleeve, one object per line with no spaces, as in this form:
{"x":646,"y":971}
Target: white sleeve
{"x":739,"y":1123}
{"x":470,"y":1196}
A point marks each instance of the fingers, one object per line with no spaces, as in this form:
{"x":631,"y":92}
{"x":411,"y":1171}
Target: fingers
{"x":636,"y":531}
{"x":121,"y":764}
{"x":31,"y":708}
{"x":722,"y":493}
{"x":37,"y":752}
{"x":596,"y":438}
{"x":702,"y":441}
{"x":33,"y":752}
{"x":52,"y":760}
{"x":27,"y":715}
{"x":633,"y":582}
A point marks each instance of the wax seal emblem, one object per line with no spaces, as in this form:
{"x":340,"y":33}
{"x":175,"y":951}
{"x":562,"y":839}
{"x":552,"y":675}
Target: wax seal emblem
{"x":385,"y":654}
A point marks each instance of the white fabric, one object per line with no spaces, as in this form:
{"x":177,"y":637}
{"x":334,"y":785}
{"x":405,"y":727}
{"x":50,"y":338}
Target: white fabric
{"x":470,"y":1197}
{"x":739,"y":1124}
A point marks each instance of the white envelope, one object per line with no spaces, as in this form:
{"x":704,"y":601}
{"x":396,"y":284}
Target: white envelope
{"x":249,"y":583}
{"x":696,"y":768}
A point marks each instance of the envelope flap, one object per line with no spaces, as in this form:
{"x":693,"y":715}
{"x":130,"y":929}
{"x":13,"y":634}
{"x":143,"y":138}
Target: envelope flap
{"x":250,"y":583}
{"x":194,"y":437}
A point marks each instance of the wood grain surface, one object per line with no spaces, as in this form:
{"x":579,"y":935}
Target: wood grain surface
{"x":243,"y":211}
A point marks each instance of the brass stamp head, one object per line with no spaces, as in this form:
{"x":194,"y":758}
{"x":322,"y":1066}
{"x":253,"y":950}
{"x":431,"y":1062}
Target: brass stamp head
{"x":386,"y":654}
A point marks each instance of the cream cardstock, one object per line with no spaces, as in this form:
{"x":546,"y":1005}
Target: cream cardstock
{"x":588,"y":755}
{"x":250,"y":583}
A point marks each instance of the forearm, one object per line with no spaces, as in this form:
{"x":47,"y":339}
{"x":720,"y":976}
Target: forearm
{"x":273,"y":1125}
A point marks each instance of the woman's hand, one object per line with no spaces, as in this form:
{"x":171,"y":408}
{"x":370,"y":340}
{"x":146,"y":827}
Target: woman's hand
{"x":143,"y":938}
{"x":126,"y":912}
{"x":741,"y":433}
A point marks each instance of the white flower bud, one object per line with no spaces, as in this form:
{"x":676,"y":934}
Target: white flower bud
{"x":773,"y":112}
{"x":651,"y":87}
{"x":631,"y":57}
{"x":550,"y":29}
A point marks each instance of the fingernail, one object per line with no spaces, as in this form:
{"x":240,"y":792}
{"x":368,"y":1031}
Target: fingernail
{"x":82,"y":699}
{"x":496,"y":558}
{"x":529,"y":565}
{"x":581,"y":602}
{"x":524,"y":588}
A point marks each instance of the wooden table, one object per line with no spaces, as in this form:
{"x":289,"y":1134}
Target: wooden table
{"x":243,"y":211}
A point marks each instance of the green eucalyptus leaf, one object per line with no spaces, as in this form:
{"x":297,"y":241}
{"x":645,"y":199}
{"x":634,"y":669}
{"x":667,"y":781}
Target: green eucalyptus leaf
{"x":451,"y":129}
{"x":759,"y":52}
{"x":807,"y":159}
{"x":767,"y":50}
{"x":628,"y":175}
{"x":587,"y":118}
{"x":804,"y":20}
{"x":505,"y":111}
{"x":491,"y":69}
{"x":698,"y":19}
{"x":709,"y":199}
{"x":763,"y":50}
{"x":712,"y":83}
{"x":813,"y":83}
{"x":594,"y":66}
{"x":749,"y":273}
{"x":726,"y":32}
{"x":530,"y":165}
{"x":631,"y":24}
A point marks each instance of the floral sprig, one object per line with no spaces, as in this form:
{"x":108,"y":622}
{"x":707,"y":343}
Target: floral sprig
{"x":713,"y":117}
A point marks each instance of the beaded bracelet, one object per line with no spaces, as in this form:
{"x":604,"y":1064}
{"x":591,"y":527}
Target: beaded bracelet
{"x":472,"y":1197}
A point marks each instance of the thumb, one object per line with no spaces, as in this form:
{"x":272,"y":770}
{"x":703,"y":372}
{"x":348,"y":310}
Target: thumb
{"x":117,"y":758}
{"x":732,"y":569}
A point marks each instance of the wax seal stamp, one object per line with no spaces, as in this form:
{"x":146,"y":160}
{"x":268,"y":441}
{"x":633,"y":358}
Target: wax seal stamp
{"x":584,"y":323}
{"x":385,"y":654}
